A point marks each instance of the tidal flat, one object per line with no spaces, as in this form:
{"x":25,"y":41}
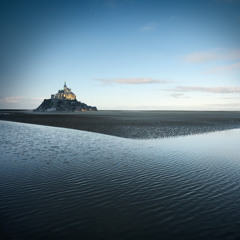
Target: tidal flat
{"x":59,"y":183}
{"x":133,"y":124}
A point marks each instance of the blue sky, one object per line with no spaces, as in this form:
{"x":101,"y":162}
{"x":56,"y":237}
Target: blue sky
{"x":122,"y":54}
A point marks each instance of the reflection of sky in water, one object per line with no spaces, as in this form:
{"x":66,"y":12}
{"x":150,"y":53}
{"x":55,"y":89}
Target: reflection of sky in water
{"x":59,"y":182}
{"x":217,"y":143}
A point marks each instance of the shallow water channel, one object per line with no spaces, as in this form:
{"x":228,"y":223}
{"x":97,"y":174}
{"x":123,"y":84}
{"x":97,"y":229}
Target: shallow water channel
{"x":60,"y":183}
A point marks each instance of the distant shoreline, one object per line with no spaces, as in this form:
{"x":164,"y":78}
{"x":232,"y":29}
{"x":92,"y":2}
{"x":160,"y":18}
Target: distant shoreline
{"x":130,"y":123}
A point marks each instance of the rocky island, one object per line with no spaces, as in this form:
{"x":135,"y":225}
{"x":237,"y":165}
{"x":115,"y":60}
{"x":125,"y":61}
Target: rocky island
{"x":64,"y":101}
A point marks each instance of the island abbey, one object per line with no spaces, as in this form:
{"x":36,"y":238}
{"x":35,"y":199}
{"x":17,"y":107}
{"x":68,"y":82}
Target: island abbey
{"x":64,"y":101}
{"x":66,"y":93}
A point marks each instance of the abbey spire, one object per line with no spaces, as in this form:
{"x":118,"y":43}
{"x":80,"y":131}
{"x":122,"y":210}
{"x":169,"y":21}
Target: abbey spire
{"x":66,"y":93}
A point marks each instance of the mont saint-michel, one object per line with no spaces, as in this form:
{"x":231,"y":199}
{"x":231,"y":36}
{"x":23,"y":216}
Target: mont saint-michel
{"x":63,"y":101}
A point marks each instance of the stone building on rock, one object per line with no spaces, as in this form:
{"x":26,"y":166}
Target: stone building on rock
{"x":64,"y":94}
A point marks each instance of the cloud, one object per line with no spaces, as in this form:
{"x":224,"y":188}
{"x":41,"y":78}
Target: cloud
{"x":224,"y":106}
{"x":200,"y":57}
{"x":179,"y":95}
{"x":16,"y":100}
{"x":212,"y":55}
{"x":232,"y":55}
{"x":231,"y":98}
{"x":224,"y":69}
{"x":148,"y":27}
{"x":136,"y":81}
{"x":208,"y":89}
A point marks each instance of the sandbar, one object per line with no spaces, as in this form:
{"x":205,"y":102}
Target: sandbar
{"x":132,"y":124}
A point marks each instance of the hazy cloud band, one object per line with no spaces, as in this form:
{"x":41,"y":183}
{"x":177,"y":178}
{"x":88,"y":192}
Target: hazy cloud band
{"x":213,"y":55}
{"x":208,"y":89}
{"x":135,"y":81}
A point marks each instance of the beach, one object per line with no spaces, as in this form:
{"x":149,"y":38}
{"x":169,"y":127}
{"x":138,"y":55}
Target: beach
{"x":132,"y":124}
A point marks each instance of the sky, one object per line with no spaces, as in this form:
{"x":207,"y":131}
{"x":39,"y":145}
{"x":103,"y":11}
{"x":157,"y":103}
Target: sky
{"x":121,"y":54}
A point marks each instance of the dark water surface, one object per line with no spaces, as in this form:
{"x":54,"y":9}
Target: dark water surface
{"x":60,"y":183}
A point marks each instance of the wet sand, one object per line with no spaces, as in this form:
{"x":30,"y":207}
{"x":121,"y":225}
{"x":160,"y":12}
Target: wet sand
{"x":133,"y":124}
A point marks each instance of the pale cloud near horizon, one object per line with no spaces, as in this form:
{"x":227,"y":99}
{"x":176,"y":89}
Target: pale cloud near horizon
{"x":18,"y":100}
{"x":229,"y":106}
{"x":212,"y":55}
{"x":135,"y":81}
{"x":222,"y":90}
{"x":179,"y":95}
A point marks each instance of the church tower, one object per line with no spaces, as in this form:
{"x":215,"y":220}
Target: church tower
{"x":66,"y":93}
{"x":65,"y":87}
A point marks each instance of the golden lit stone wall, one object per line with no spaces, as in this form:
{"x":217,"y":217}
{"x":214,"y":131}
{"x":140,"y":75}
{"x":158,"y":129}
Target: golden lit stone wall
{"x":60,"y":95}
{"x":64,"y":94}
{"x":70,"y":96}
